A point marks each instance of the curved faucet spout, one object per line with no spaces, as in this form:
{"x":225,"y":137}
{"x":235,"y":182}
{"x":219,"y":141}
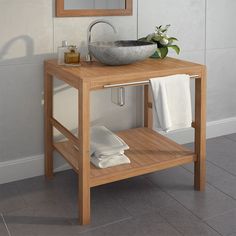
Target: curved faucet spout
{"x":89,"y":31}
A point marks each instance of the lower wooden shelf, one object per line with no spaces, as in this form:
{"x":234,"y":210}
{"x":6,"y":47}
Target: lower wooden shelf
{"x":149,"y":152}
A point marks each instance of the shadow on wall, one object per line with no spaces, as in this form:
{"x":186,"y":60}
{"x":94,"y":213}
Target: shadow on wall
{"x":36,"y":82}
{"x":63,"y":93}
{"x":29,"y":43}
{"x":29,"y":57}
{"x":29,"y":52}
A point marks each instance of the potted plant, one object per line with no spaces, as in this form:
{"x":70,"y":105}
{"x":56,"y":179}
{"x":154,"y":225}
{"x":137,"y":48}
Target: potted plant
{"x":163,"y":41}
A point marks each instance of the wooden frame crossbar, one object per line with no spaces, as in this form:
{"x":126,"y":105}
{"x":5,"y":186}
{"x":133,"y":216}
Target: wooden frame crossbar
{"x":64,"y":131}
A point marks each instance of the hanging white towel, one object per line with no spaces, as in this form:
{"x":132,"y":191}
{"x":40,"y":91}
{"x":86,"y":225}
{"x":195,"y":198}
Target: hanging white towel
{"x":171,"y":102}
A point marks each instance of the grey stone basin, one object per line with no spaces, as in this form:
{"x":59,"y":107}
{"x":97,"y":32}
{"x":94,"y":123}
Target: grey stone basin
{"x":121,"y":52}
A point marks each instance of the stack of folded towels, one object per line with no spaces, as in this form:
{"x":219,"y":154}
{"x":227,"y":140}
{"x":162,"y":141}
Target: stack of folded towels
{"x":106,"y":148}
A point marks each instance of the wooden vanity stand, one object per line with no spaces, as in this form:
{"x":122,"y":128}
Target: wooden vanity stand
{"x":149,"y":151}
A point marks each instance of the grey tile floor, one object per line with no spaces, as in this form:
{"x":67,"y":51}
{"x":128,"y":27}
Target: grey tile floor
{"x":163,"y":203}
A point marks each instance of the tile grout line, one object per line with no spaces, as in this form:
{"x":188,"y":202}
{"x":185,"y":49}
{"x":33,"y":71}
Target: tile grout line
{"x":53,"y":29}
{"x":213,"y":186}
{"x":226,"y":48}
{"x":5,"y":224}
{"x":230,"y":173}
{"x":205,"y":40}
{"x":137,"y":92}
{"x":137,"y":21}
{"x":222,"y":168}
{"x":212,"y":163}
{"x":105,"y":225}
{"x":173,"y":226}
{"x":226,"y":212}
{"x":163,"y":190}
{"x":226,"y":136}
{"x":200,"y":220}
{"x":222,"y":214}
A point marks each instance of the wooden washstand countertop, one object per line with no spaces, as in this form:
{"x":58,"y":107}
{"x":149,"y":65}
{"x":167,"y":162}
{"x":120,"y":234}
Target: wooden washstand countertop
{"x":98,"y":75}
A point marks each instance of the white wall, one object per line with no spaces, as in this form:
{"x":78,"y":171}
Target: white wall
{"x":206,"y":30}
{"x":21,"y":72}
{"x":221,"y":58}
{"x":29,"y":34}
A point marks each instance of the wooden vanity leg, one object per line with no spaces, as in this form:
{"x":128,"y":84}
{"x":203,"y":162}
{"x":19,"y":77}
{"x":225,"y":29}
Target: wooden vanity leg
{"x":84,"y":154}
{"x":200,"y":133}
{"x":48,"y":129}
{"x":145,"y":110}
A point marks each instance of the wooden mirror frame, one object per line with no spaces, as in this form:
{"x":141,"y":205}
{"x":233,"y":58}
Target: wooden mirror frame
{"x":61,"y":12}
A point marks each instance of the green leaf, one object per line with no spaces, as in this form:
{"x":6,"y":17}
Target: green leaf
{"x":173,"y":39}
{"x":158,"y":52}
{"x":163,"y":52}
{"x":175,"y":47}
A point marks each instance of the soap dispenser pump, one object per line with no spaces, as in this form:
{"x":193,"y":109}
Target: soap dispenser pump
{"x":61,"y":52}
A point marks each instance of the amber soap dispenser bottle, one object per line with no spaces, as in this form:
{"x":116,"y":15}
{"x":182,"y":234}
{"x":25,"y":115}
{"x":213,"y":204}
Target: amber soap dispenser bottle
{"x":72,"y":56}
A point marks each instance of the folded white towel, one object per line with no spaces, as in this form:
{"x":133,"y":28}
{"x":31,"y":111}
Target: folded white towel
{"x":106,"y":148}
{"x":102,"y":156}
{"x":171,"y":102}
{"x":104,"y":143}
{"x":110,"y":161}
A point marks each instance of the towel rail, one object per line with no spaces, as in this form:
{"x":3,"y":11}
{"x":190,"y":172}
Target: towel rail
{"x":138,"y":83}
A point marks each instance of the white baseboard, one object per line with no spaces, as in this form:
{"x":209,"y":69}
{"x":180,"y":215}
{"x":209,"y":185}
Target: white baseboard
{"x":214,"y":129}
{"x":21,"y":168}
{"x":25,"y":168}
{"x":34,"y":166}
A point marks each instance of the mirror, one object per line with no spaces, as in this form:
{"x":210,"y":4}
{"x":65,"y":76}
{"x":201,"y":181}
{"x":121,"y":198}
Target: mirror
{"x":94,"y":4}
{"x":93,"y":8}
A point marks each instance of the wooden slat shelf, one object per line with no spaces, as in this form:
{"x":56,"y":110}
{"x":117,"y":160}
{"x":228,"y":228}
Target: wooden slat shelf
{"x":149,"y":152}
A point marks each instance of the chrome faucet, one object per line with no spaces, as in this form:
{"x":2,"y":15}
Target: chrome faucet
{"x":89,"y":57}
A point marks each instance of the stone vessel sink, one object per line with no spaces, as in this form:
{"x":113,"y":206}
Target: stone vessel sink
{"x":121,"y":52}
